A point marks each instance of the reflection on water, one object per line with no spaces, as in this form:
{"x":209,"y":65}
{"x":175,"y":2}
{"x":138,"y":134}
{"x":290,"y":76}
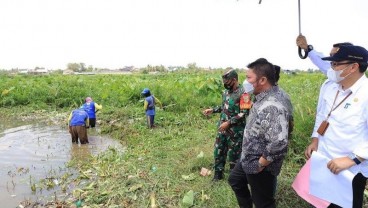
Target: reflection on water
{"x":32,"y":152}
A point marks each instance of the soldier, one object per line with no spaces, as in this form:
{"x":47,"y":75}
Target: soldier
{"x":235,"y":106}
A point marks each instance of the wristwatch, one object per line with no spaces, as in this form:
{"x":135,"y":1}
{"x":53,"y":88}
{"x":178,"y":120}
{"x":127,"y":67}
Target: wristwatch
{"x":310,"y":47}
{"x":355,"y":158}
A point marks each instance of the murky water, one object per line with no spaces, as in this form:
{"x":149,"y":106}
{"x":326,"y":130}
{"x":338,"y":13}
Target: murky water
{"x":32,"y":152}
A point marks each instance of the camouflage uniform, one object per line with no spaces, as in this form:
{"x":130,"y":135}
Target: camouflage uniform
{"x":230,"y":142}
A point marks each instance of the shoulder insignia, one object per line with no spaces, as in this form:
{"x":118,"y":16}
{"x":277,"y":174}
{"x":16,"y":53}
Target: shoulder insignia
{"x":245,"y":101}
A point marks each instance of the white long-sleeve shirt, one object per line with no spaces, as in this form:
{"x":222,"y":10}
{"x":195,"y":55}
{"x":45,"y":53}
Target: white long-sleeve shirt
{"x":323,"y":66}
{"x":316,"y":58}
{"x":348,"y":129}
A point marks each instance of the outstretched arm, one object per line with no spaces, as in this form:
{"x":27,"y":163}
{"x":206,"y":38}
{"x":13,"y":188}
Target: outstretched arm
{"x":158,"y":102}
{"x":98,"y":107}
{"x":314,"y":56}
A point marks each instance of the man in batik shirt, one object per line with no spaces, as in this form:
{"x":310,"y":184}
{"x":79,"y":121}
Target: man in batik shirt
{"x":265,"y":140}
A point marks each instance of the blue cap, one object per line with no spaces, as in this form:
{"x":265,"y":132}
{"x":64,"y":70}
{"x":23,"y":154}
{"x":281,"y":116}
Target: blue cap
{"x":349,"y":53}
{"x":145,"y":91}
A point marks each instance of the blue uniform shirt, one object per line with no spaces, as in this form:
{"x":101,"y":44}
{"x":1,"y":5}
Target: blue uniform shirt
{"x":90,"y":109}
{"x":150,"y":111}
{"x":78,"y":118}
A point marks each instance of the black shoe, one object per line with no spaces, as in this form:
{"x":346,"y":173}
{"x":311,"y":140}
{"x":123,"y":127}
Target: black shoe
{"x":219,"y":175}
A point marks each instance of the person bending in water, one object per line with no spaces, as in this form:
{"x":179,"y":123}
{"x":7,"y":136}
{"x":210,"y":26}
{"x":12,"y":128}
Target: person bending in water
{"x":78,"y":123}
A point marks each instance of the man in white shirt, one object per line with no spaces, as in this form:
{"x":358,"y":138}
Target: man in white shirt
{"x":341,"y":126}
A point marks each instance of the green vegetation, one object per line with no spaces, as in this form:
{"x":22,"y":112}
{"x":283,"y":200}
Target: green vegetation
{"x":159,"y":166}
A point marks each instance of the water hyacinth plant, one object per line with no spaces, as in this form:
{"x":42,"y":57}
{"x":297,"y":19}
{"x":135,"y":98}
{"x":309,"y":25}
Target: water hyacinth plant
{"x":155,"y":168}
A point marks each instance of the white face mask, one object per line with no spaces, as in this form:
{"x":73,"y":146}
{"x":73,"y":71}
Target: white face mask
{"x":248,"y":87}
{"x":335,"y":76}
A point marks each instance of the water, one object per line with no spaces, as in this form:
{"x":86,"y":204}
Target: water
{"x":29,"y":153}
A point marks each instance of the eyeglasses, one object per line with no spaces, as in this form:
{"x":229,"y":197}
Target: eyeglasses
{"x":335,"y":64}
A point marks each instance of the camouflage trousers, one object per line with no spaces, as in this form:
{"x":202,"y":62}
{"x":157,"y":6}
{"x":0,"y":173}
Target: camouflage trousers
{"x":228,"y":144}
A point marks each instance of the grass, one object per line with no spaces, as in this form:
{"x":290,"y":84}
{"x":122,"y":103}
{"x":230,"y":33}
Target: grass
{"x":150,"y":170}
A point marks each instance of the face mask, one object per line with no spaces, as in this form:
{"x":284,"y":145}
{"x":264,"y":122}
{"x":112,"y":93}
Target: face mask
{"x":335,"y":76}
{"x":228,"y":86}
{"x":248,"y":87}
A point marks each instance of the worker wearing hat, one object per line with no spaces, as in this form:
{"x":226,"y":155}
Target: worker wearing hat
{"x":149,"y":106}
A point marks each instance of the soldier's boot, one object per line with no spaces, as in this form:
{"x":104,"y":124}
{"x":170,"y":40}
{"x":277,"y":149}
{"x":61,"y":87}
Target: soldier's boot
{"x":219,"y":175}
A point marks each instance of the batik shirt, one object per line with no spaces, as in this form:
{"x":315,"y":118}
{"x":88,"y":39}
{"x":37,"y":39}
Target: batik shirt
{"x":266,"y":132}
{"x":289,"y":107}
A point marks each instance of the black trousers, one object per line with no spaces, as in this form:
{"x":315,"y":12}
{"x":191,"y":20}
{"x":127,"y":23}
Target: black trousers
{"x":262,"y":186}
{"x":92,"y":122}
{"x":359,"y":182}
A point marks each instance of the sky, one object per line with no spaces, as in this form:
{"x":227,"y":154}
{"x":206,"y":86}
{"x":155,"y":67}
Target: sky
{"x":211,"y":33}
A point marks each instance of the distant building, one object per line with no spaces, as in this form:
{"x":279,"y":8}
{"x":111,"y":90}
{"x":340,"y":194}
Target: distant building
{"x":127,"y":69}
{"x":23,"y":71}
{"x":39,"y":71}
{"x":68,"y":71}
{"x":173,"y":68}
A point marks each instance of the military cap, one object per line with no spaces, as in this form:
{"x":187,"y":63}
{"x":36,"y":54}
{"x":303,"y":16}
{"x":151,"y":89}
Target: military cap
{"x":230,"y":74}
